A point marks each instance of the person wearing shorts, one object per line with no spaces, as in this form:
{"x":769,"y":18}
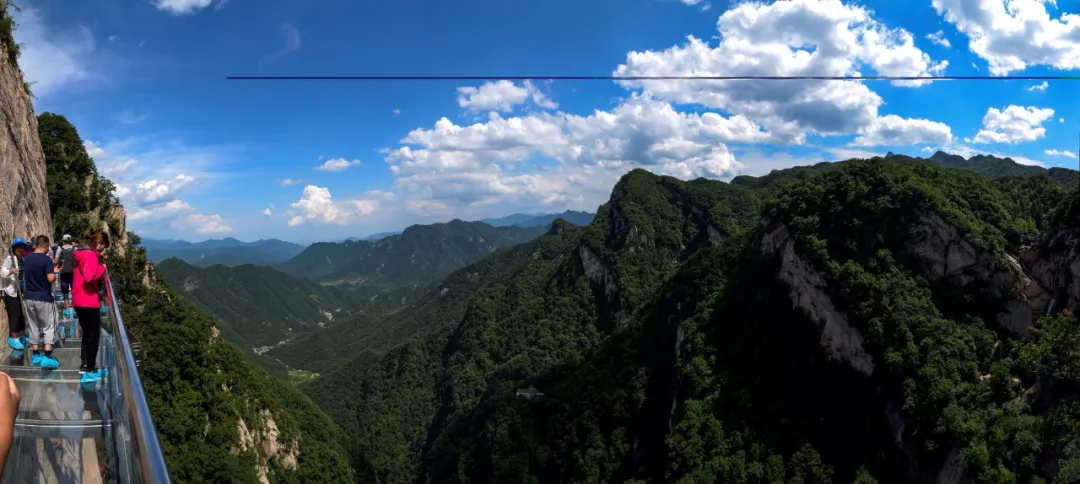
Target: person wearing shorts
{"x":39,"y":274}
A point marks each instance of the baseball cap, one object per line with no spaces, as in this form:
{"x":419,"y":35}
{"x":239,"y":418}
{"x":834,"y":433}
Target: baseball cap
{"x":19,"y":241}
{"x":67,"y":238}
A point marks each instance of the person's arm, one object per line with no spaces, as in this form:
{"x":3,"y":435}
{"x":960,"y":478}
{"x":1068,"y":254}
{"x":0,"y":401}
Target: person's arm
{"x":91,"y":268}
{"x":9,"y":409}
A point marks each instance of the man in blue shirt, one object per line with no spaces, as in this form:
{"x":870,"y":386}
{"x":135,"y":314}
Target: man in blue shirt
{"x":39,"y":273}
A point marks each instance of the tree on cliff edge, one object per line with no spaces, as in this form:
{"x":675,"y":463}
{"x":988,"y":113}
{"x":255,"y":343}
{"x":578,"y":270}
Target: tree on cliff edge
{"x":75,"y":189}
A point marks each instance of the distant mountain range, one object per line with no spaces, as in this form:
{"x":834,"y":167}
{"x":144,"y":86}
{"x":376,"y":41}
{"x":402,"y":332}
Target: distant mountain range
{"x":374,"y":237}
{"x":229,"y":251}
{"x":993,"y":167}
{"x":540,"y":219}
{"x":272,"y":252}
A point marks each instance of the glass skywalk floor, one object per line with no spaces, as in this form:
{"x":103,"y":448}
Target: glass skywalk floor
{"x":69,"y":432}
{"x":60,"y":430}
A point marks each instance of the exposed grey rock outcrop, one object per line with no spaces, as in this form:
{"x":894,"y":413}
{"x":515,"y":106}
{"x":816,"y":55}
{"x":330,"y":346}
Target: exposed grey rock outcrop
{"x":1054,"y":264}
{"x":809,"y":293}
{"x":606,"y":284}
{"x":948,"y":257}
{"x":24,"y":201}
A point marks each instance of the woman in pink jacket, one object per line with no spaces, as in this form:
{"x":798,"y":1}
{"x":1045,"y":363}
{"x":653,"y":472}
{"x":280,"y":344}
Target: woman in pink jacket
{"x":85,"y":289}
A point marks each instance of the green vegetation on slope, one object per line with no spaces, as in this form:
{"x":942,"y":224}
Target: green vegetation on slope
{"x":7,"y":33}
{"x":422,"y":254}
{"x":668,"y":349}
{"x":200,"y":389}
{"x":579,"y":287}
{"x":257,"y":306}
{"x":79,"y":199}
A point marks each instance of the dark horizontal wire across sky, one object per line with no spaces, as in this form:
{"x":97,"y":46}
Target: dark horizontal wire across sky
{"x":653,"y":78}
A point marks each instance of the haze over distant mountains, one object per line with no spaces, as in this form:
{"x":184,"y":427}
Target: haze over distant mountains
{"x":228,"y":251}
{"x":540,"y":219}
{"x":232,"y":252}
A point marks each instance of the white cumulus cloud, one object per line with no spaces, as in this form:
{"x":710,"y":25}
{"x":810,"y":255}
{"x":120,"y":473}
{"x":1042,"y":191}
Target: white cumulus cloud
{"x":183,"y":7}
{"x":316,"y":205}
{"x":337,"y":164}
{"x":784,"y":39}
{"x":151,"y":191}
{"x":939,"y":39}
{"x":502,"y":96}
{"x":1065,"y":153}
{"x":203,"y":224}
{"x":1011,"y":35}
{"x":1014,"y":124}
{"x":892,"y":130}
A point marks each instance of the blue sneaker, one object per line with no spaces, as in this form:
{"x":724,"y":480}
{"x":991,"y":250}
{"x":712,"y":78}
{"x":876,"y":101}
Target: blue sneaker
{"x":24,"y":340}
{"x":102,"y":372}
{"x":90,"y":377}
{"x":15,"y":344}
{"x":36,"y":359}
{"x":49,"y":362}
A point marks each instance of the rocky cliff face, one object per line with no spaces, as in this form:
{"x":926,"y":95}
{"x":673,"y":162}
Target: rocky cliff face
{"x":24,"y":201}
{"x":1014,"y":290}
{"x":113,"y":221}
{"x":1054,"y":264}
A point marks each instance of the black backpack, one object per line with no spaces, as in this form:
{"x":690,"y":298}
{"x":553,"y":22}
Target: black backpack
{"x":67,"y":257}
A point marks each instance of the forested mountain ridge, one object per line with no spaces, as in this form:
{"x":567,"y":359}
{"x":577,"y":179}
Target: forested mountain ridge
{"x":258,"y":306}
{"x":229,"y":252}
{"x":993,"y":167}
{"x":864,"y":321}
{"x":281,"y":316}
{"x":578,"y":287}
{"x":421,"y":254}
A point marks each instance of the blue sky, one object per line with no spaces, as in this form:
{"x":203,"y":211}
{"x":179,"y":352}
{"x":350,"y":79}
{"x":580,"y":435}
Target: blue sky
{"x":196,"y":156}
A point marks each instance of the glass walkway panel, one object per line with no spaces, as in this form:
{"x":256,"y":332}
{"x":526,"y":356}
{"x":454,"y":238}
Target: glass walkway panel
{"x":71,"y":432}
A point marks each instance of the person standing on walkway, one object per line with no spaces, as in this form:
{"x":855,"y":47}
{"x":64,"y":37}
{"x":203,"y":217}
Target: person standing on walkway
{"x":65,"y":259}
{"x":85,"y":290}
{"x":39,"y":274}
{"x":9,"y":285}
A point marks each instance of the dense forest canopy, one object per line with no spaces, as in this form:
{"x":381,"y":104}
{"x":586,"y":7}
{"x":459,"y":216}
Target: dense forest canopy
{"x":864,"y":321}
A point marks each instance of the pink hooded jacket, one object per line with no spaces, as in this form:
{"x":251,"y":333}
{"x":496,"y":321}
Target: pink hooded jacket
{"x":88,"y":274}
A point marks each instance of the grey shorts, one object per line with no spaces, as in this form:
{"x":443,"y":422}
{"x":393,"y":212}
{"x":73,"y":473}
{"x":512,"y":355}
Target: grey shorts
{"x":41,"y":321}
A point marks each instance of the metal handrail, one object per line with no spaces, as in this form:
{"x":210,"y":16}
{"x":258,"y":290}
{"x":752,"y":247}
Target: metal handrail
{"x":148,"y":455}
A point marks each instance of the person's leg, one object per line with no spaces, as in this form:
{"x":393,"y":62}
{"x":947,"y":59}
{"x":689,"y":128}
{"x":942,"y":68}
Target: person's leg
{"x":14,"y":314}
{"x":33,"y":321}
{"x":88,"y":317}
{"x":92,"y":338}
{"x":49,"y":321}
{"x":65,"y":286}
